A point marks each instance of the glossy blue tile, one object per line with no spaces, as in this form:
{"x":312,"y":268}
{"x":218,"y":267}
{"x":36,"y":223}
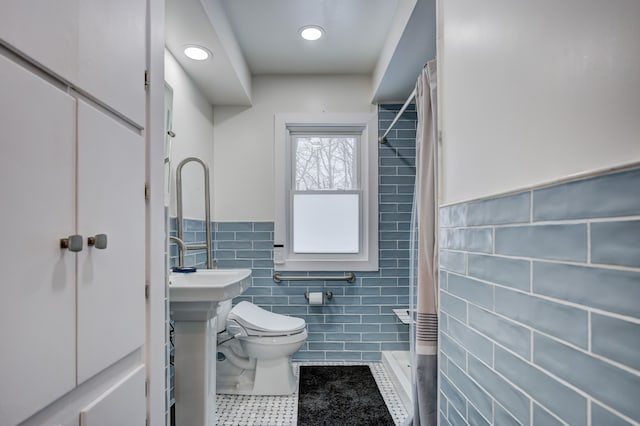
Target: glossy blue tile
{"x":616,"y":243}
{"x":471,"y":390}
{"x":616,"y":339}
{"x":442,"y":418}
{"x":453,"y":216}
{"x":475,"y":418}
{"x":453,"y":306}
{"x":453,"y":395}
{"x":505,"y":332}
{"x":501,"y":390}
{"x":474,"y":343}
{"x":560,"y":242}
{"x":443,"y":321}
{"x":453,"y":350}
{"x":193,"y":225}
{"x":612,"y":195}
{"x":559,"y":320}
{"x":607,"y":289}
{"x":232,"y":245}
{"x":471,"y":239}
{"x":325,"y":346}
{"x":600,"y":416}
{"x":453,"y":261}
{"x":443,"y":402}
{"x":502,"y":210}
{"x":234,"y":226}
{"x":308,"y":356}
{"x":455,"y":418}
{"x":473,"y":291}
{"x":443,"y":280}
{"x":253,"y":236}
{"x":253,"y":254}
{"x":566,"y":403}
{"x":395,"y":346}
{"x":500,"y":270}
{"x":372,"y":356}
{"x":379,"y":337}
{"x":263,"y":226}
{"x":503,"y":417}
{"x":543,"y":418}
{"x":611,"y":385}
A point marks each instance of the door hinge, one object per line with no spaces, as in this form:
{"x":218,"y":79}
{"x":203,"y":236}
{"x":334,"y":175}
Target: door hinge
{"x":146,"y":387}
{"x":147,"y":79}
{"x":147,"y":192}
{"x":147,"y":291}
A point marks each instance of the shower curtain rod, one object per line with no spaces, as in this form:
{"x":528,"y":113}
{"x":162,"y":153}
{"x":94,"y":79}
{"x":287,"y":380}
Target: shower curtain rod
{"x":383,"y":138}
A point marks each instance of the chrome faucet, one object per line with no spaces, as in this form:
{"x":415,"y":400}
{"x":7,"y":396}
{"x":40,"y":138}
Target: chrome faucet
{"x":182,"y":246}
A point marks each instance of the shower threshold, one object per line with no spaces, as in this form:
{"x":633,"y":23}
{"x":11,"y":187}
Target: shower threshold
{"x":398,"y":366}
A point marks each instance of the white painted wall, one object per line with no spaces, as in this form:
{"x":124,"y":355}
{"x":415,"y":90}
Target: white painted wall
{"x":193,"y":126}
{"x":244,"y":137}
{"x":531,"y":92}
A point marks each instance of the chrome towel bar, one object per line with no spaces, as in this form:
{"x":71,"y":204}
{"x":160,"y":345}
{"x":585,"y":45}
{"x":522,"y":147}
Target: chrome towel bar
{"x":348,"y":277}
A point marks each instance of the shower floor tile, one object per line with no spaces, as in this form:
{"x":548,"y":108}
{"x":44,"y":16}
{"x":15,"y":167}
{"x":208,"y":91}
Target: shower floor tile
{"x":245,"y":410}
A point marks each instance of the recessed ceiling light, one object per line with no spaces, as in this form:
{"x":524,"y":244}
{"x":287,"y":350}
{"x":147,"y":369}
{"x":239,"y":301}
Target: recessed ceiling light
{"x":197,"y":53}
{"x":311,"y":32}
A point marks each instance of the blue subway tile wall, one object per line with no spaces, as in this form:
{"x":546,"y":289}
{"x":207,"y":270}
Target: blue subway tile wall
{"x":358,"y":322}
{"x":539,"y":312}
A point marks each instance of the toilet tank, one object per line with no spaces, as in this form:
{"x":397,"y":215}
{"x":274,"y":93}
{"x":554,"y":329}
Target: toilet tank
{"x":222,"y":313}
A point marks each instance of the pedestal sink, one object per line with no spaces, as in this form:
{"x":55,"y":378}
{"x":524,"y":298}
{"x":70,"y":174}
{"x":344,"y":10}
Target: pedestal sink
{"x":193,"y":301}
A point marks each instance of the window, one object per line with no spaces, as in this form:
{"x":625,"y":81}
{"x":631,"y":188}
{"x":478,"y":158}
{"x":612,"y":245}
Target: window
{"x":326,"y":192}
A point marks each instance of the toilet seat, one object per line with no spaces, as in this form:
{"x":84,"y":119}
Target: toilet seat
{"x":248,"y":319}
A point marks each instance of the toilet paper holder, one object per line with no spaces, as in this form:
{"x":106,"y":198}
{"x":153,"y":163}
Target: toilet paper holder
{"x":328,"y":295}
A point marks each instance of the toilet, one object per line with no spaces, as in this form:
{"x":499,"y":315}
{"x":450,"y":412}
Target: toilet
{"x":255,"y":347}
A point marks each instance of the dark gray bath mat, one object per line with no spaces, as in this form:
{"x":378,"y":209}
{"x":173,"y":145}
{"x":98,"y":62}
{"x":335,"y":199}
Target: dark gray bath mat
{"x":340,"y":395}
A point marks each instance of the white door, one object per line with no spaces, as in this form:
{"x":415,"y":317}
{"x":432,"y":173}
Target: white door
{"x":111,"y":281}
{"x":37,"y":282}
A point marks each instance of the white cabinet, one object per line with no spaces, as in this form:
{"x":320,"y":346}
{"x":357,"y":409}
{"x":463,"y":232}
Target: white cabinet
{"x":72,"y":325}
{"x":98,"y":46}
{"x":37,"y":281}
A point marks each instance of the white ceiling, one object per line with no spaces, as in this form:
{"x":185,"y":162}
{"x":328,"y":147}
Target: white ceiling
{"x":387,"y":39}
{"x":267,"y":32}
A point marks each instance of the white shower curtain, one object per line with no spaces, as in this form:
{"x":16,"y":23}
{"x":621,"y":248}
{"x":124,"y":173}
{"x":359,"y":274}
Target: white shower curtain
{"x":424,"y":255}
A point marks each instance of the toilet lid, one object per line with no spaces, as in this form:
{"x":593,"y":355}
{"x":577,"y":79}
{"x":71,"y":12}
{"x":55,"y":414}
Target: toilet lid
{"x":260,"y":321}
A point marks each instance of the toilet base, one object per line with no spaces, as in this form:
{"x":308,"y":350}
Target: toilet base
{"x":270,"y":377}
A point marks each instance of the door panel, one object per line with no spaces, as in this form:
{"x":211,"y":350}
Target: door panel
{"x":123,"y":404}
{"x":111,"y":304}
{"x":45,"y":31}
{"x":37,"y":288}
{"x":111,"y":54}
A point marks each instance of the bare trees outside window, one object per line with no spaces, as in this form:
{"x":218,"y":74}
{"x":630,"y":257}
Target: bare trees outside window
{"x":325,"y":163}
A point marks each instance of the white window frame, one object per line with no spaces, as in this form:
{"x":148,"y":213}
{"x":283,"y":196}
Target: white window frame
{"x":367,"y":126}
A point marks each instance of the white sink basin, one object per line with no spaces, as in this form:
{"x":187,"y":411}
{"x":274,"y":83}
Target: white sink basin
{"x":208,"y":285}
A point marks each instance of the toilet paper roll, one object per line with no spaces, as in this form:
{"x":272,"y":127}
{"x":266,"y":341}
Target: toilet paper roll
{"x":316,"y":298}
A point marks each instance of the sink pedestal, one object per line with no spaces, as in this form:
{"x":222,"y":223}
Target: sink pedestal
{"x":193,"y":301}
{"x":195,"y":362}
